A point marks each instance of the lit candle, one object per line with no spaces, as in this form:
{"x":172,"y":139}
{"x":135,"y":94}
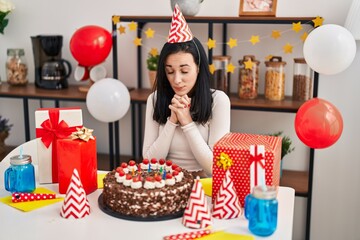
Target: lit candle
{"x":149,"y":168}
{"x":164,"y":175}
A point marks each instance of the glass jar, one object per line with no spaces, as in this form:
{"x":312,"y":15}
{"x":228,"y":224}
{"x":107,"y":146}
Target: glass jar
{"x":248,"y":77}
{"x":302,"y":82}
{"x":261,"y":210}
{"x":16,"y":67}
{"x":221,"y":80}
{"x":20,"y":176}
{"x":275,"y":79}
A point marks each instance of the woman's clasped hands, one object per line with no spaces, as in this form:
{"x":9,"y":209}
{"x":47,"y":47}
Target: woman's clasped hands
{"x":180,"y":110}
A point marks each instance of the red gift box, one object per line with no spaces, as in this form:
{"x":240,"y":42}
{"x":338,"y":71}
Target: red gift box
{"x":251,"y":159}
{"x":52,"y":124}
{"x":77,"y":154}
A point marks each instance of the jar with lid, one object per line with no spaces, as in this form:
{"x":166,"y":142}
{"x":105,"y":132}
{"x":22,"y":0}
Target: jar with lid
{"x":221,"y":79}
{"x":275,"y":79}
{"x":16,"y":67}
{"x":261,"y":208}
{"x":20,"y":176}
{"x":302,"y":82}
{"x":248,"y":77}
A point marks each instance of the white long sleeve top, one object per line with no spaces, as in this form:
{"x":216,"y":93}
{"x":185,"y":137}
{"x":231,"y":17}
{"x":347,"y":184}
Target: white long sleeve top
{"x":188,"y":146}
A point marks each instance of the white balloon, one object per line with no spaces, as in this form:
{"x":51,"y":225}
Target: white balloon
{"x":329,"y":49}
{"x":108,"y":100}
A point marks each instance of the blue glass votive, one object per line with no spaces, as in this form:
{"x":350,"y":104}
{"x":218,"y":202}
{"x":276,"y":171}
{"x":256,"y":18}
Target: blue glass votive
{"x":261,"y":209}
{"x":20,"y":176}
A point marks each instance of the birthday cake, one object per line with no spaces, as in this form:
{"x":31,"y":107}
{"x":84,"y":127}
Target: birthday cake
{"x":149,"y":189}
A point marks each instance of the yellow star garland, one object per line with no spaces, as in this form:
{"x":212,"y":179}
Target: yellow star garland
{"x":132,"y":26}
{"x":248,"y":64}
{"x":297,"y":27}
{"x":211,"y":43}
{"x":116,"y":19}
{"x":304,"y":36}
{"x":212,"y":68}
{"x":230,"y":68}
{"x":154,"y":52}
{"x":288,"y":48}
{"x":275,"y":34}
{"x":268,"y":57}
{"x":137,"y":41}
{"x":224,"y":161}
{"x":121,"y":29}
{"x":149,"y":33}
{"x":318,"y":21}
{"x":254,"y":39}
{"x":232,"y":42}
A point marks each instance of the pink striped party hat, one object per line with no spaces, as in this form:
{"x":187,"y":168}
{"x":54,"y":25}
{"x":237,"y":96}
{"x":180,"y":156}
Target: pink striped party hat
{"x":179,"y":29}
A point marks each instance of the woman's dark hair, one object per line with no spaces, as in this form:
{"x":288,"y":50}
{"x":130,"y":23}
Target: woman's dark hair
{"x":201,"y":95}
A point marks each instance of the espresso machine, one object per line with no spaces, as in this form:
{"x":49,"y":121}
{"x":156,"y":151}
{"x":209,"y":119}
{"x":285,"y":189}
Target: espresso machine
{"x":51,"y":71}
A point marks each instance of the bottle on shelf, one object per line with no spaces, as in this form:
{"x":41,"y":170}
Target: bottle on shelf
{"x":248,"y":77}
{"x":302,"y":80}
{"x":275,"y":79}
{"x":16,"y":67}
{"x":221,"y":79}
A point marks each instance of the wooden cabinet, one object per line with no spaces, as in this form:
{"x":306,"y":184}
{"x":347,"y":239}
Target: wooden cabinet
{"x":301,"y":181}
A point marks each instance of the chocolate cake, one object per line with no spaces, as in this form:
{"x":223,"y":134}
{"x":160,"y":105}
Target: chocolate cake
{"x":149,"y":189}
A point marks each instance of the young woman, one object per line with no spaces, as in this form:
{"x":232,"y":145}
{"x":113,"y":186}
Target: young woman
{"x":184,"y":117}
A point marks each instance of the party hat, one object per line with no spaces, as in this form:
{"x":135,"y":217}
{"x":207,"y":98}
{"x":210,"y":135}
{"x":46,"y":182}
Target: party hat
{"x":76,"y":204}
{"x":227,"y":204}
{"x":197,"y":213}
{"x":179,"y":29}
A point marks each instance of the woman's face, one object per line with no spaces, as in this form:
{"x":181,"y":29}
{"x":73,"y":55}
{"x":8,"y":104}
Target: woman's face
{"x":181,"y":71}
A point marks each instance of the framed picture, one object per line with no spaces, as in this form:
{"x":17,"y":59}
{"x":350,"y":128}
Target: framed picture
{"x":258,"y":8}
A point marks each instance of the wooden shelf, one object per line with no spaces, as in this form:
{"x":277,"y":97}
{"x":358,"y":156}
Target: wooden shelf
{"x":258,"y":104}
{"x":298,"y":180}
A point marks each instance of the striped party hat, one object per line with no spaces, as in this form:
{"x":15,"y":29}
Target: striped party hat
{"x":179,"y":29}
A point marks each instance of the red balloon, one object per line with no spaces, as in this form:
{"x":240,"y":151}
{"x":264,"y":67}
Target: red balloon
{"x":318,"y":123}
{"x":90,"y":45}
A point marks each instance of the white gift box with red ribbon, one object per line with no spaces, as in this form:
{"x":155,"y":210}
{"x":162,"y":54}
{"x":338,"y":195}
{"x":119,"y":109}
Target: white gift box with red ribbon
{"x":252,"y":160}
{"x":52,"y":124}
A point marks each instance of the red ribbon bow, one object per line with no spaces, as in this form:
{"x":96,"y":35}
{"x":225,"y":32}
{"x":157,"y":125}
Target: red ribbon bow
{"x":256,"y":158}
{"x":52,"y":129}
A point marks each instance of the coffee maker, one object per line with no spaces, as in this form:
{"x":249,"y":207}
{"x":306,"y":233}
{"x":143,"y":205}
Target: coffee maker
{"x":51,"y":71}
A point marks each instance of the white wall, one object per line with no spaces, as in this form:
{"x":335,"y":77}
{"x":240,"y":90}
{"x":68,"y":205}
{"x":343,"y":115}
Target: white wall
{"x":336,"y":214}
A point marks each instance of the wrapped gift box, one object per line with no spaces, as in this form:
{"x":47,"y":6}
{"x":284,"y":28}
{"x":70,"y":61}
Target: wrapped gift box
{"x":77,"y":154}
{"x":251,"y":159}
{"x":52,"y":124}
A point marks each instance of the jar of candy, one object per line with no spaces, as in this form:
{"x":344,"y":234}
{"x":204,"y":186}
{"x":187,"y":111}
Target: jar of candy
{"x":221,"y":80}
{"x":248,"y":77}
{"x":275,"y":79}
{"x":261,"y":210}
{"x":302,"y":82}
{"x":20,"y":176}
{"x":16,"y":67}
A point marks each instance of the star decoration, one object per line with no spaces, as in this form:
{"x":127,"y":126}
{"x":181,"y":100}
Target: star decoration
{"x":304,"y":36}
{"x":211,"y":43}
{"x":149,"y":33}
{"x":154,"y":52}
{"x":115,"y":19}
{"x":230,"y":68}
{"x":212,"y":68}
{"x":83,"y":133}
{"x":318,"y":21}
{"x":268,"y":57}
{"x":232,"y":42}
{"x":297,"y":26}
{"x":254,"y":39}
{"x":132,"y":26}
{"x":121,"y":29}
{"x":288,"y":48}
{"x":137,"y":41}
{"x":275,"y":34}
{"x":248,"y":64}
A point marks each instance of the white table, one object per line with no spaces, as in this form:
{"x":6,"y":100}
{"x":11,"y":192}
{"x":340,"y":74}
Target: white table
{"x":46,"y":223}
